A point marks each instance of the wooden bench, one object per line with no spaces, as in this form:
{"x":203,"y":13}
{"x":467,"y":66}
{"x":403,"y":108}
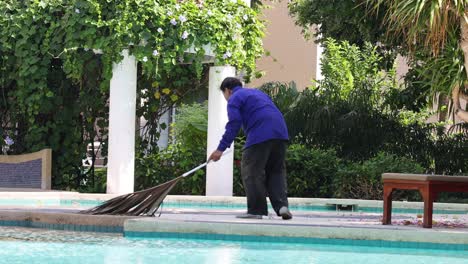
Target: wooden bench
{"x":428,"y":185}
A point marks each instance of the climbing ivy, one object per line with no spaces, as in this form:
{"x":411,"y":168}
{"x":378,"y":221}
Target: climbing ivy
{"x":56,"y":59}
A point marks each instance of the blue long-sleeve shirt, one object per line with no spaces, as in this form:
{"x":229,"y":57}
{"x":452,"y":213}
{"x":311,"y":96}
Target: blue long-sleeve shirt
{"x":257,"y":114}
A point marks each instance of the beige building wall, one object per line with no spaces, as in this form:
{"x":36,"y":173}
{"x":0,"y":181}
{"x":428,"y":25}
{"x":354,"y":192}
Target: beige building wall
{"x":292,"y":58}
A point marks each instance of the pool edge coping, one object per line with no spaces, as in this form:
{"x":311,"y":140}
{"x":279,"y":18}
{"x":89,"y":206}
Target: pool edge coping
{"x":155,"y":227}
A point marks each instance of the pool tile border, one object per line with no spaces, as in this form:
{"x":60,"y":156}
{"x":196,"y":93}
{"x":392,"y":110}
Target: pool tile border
{"x":66,"y":227}
{"x":325,"y":207}
{"x":300,"y":240}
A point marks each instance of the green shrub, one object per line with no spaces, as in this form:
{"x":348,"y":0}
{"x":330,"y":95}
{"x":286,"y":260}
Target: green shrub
{"x":310,"y":171}
{"x":187,"y":151}
{"x":95,"y":184}
{"x":346,"y":110}
{"x":439,"y":154}
{"x":282,"y":94}
{"x":451,"y":154}
{"x":318,"y":173}
{"x":451,"y":158}
{"x":191,"y":125}
{"x":165,"y":165}
{"x":363,"y":180}
{"x":238,"y":185}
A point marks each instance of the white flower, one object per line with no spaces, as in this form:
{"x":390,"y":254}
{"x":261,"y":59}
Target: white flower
{"x":227,"y":55}
{"x":9,"y":141}
{"x":177,"y":6}
{"x":181,"y":59}
{"x":182,"y":18}
{"x":210,"y":13}
{"x":86,"y":49}
{"x":238,"y":25}
{"x":77,"y":10}
{"x":145,"y":59}
{"x":245,"y":17}
{"x":160,"y":30}
{"x":229,"y":16}
{"x":155,"y":53}
{"x":185,"y":35}
{"x":169,"y":13}
{"x":173,"y":22}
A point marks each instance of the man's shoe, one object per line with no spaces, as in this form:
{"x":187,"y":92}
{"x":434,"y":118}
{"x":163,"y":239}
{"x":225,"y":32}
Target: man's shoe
{"x":249,"y":216}
{"x":285,"y":213}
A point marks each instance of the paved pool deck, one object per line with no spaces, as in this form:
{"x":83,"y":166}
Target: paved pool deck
{"x":448,"y":228}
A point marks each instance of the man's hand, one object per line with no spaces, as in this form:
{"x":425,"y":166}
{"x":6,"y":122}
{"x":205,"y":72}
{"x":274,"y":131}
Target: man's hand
{"x":216,"y":155}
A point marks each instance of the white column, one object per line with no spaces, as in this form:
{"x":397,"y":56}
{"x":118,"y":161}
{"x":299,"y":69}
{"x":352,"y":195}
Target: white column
{"x":219,"y":180}
{"x":122,"y":107}
{"x":163,"y":140}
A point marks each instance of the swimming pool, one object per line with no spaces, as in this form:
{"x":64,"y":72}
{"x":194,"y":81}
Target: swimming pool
{"x":22,"y":245}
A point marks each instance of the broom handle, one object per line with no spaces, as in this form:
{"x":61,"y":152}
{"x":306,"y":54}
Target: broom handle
{"x":202,"y":165}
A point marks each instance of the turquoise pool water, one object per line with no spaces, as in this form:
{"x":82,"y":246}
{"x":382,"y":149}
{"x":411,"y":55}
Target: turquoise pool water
{"x":21,"y":245}
{"x":214,"y":205}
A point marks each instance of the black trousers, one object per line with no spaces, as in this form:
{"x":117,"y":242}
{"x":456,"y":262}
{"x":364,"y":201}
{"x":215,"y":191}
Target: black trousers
{"x":263,"y":173}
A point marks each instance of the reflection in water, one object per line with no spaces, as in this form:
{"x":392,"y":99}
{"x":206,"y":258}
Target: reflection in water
{"x":224,"y":255}
{"x":112,"y":255}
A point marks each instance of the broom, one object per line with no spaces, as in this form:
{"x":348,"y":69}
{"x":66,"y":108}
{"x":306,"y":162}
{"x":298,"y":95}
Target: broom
{"x":145,"y":202}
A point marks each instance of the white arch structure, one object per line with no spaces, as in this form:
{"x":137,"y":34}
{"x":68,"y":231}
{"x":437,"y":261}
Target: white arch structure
{"x":122,"y":108}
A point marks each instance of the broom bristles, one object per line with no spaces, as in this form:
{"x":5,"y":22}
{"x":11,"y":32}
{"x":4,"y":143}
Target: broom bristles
{"x":145,"y":202}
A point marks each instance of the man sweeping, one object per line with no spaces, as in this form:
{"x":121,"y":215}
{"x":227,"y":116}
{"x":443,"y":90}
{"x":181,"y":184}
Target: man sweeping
{"x":263,"y":158}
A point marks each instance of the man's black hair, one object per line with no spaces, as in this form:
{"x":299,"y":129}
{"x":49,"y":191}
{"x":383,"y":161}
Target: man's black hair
{"x":230,"y":83}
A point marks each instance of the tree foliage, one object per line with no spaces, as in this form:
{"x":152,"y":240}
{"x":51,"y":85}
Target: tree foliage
{"x":433,"y":27}
{"x":421,"y":24}
{"x":345,"y":20}
{"x":338,"y":19}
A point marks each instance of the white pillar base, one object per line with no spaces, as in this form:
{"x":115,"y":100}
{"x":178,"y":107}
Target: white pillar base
{"x":122,"y":109}
{"x":219,"y":175}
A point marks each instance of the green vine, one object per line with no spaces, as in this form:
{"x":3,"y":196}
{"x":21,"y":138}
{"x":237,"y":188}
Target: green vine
{"x":57,"y":57}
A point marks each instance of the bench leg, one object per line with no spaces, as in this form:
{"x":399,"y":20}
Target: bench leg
{"x":429,"y":197}
{"x":387,"y":204}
